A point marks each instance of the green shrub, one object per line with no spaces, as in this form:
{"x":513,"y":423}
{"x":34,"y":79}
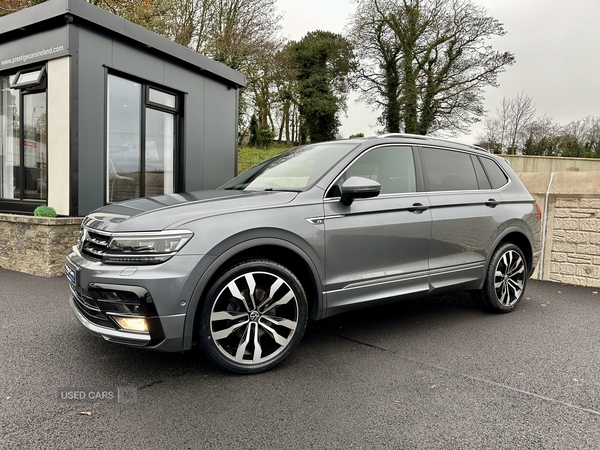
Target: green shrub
{"x":265,"y":138}
{"x":44,"y":211}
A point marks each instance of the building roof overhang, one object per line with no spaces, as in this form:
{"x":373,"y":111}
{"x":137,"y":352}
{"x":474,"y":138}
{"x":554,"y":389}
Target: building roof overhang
{"x":31,"y":20}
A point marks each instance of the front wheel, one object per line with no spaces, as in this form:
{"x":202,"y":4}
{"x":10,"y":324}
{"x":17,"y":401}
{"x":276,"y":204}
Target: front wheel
{"x":253,"y":316}
{"x":505,"y":280}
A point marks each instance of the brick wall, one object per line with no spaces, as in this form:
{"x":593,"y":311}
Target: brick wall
{"x":36,"y":245}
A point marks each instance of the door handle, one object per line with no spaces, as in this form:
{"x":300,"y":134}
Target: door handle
{"x":418,"y":208}
{"x":492,"y":203}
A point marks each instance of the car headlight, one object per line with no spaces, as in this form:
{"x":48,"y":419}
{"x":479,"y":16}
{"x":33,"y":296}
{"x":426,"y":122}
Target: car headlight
{"x":145,"y":248}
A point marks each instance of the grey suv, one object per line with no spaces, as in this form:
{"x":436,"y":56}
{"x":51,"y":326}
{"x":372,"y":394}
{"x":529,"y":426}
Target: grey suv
{"x":313,"y":232}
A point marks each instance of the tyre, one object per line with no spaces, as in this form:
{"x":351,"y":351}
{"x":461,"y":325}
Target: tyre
{"x":505,"y":280}
{"x":253,"y":316}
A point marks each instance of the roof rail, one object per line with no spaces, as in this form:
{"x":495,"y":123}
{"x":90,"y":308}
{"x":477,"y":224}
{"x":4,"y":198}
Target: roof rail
{"x":429,"y":138}
{"x":405,"y":135}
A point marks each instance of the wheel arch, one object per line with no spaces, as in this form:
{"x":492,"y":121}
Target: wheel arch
{"x":515,"y":235}
{"x":282,"y":251}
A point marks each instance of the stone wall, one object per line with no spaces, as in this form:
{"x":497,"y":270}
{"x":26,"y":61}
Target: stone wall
{"x":549,"y":164}
{"x":571,"y":205}
{"x":575,"y":257}
{"x":36,"y":245}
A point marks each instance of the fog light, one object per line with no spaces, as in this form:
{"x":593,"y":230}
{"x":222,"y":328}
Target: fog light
{"x":132,"y":323}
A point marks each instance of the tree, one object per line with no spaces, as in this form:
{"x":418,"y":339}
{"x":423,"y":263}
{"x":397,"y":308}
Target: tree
{"x":521,"y":114}
{"x":242,"y":34}
{"x":286,"y":94}
{"x":232,"y":32}
{"x":581,"y":138}
{"x":11,"y":6}
{"x":426,"y":62}
{"x":148,"y":14}
{"x":508,"y":130}
{"x":322,"y":61}
{"x":541,"y":137}
{"x":377,"y":77}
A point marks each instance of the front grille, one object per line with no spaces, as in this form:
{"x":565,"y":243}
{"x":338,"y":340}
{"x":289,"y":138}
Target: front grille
{"x":93,"y":243}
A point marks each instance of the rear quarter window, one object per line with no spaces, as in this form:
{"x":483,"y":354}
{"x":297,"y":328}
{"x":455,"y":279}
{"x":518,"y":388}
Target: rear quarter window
{"x":495,"y":174}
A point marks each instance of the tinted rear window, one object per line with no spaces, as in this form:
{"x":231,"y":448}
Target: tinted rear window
{"x":482,"y":178}
{"x":496,"y":175}
{"x":447,"y":170}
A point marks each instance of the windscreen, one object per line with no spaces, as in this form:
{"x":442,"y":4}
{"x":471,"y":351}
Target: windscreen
{"x":295,"y":170}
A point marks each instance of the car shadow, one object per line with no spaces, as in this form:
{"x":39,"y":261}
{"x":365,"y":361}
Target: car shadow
{"x":146,"y":368}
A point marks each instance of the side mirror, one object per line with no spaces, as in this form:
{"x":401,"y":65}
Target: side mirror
{"x":359,"y":187}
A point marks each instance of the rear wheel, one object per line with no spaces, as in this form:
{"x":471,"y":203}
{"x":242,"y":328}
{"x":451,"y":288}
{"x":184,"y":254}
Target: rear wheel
{"x":253,"y":316}
{"x":505,"y":280}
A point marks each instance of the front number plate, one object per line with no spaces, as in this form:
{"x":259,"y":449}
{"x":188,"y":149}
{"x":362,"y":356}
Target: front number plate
{"x":70,"y":274}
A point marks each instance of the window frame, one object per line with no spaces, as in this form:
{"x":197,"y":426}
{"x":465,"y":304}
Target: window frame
{"x":39,"y":81}
{"x":145,"y":103}
{"x":22,"y":205}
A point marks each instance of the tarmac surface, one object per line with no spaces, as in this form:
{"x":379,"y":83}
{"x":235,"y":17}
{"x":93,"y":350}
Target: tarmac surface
{"x":427,"y":374}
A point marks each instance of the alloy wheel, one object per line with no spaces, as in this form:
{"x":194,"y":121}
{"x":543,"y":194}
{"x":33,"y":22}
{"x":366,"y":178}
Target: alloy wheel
{"x":254,"y":318}
{"x":509,"y":278}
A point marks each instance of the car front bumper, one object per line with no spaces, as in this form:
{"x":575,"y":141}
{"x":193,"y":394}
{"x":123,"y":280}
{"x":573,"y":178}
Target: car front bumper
{"x":157,"y":296}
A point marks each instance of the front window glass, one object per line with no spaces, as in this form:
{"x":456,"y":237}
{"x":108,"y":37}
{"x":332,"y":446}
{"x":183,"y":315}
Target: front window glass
{"x":392,"y":167}
{"x":296,"y":169}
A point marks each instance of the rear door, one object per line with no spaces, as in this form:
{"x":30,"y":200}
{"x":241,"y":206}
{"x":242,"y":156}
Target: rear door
{"x":377,"y":248}
{"x":466,"y":216}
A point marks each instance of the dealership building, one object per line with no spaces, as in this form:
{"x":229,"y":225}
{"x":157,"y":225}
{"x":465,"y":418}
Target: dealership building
{"x":95,"y":109}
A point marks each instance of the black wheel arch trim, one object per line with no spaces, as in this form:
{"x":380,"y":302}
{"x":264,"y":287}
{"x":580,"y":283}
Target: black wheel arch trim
{"x":509,"y":230}
{"x":246,"y":241}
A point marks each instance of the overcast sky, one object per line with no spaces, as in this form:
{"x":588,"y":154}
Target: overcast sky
{"x":556,"y":45}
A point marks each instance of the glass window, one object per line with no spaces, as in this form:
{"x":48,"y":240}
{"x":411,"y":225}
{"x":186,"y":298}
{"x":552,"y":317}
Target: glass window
{"x":160,"y":141}
{"x":482,"y":178}
{"x":124,"y":132}
{"x":496,"y":175}
{"x":35,"y":175}
{"x":141,"y":140}
{"x":391,"y":166}
{"x":448,"y":170}
{"x":10,"y":113}
{"x":28,"y":78}
{"x":162,"y":98}
{"x":23,"y":145}
{"x":295,"y":169}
